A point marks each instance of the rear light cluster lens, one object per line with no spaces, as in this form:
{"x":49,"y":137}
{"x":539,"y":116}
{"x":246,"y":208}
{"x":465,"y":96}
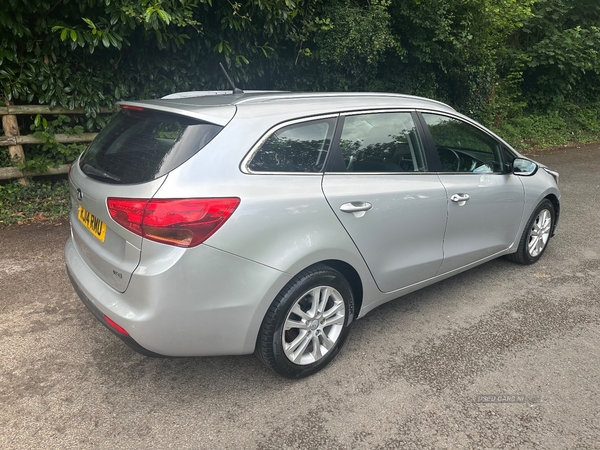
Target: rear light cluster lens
{"x":179,"y":222}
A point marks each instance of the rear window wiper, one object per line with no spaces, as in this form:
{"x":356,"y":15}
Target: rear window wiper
{"x":92,"y":171}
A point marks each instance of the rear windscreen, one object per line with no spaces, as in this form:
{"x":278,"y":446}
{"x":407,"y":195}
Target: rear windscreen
{"x":140,"y":146}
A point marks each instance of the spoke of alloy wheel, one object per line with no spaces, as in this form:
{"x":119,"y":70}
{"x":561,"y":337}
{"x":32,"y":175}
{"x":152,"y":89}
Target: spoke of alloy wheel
{"x":292,"y":346}
{"x":532,"y":245}
{"x":537,"y":245}
{"x":315,"y":294}
{"x":327,"y":343}
{"x":298,"y":311}
{"x":298,"y":345}
{"x":294,"y":324}
{"x":323,"y":297}
{"x":302,"y":347}
{"x":316,"y":350}
{"x":546,"y":224}
{"x":334,"y":309}
{"x":336,"y":320}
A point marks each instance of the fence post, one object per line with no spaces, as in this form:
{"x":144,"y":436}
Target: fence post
{"x":11,"y":128}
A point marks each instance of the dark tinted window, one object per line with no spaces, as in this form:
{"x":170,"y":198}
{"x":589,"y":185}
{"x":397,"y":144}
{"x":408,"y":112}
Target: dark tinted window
{"x":381,"y":142}
{"x":139,"y":146}
{"x":301,"y":147}
{"x":462,"y":147}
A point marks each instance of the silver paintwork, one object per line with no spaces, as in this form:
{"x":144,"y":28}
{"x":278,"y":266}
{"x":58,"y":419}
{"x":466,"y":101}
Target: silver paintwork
{"x":487,"y":223}
{"x":410,"y":210}
{"x":554,"y":174}
{"x":115,"y":259}
{"x":211,"y":299}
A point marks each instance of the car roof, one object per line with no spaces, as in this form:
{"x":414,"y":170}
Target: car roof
{"x":219,"y":107}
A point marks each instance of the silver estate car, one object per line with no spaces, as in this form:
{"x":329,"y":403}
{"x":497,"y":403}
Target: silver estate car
{"x":212,"y":223}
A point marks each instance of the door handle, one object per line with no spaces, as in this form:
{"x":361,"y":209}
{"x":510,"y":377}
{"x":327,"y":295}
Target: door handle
{"x":461,"y":199}
{"x":357,"y":208}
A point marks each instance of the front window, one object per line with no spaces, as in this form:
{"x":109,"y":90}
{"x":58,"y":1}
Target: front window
{"x":462,"y":147}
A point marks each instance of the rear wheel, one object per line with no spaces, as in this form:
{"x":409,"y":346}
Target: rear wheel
{"x":536,"y":235}
{"x":307,"y":323}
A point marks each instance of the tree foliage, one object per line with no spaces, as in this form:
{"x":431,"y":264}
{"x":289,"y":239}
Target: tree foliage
{"x":488,"y":58}
{"x":90,"y":53}
{"x":560,"y":47}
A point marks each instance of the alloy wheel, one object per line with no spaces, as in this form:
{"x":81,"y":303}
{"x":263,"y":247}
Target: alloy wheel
{"x":313,"y":325}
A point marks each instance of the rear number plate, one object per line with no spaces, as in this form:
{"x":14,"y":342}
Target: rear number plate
{"x":92,"y":223}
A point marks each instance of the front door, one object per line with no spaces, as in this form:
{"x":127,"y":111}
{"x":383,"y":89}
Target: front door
{"x":485,"y":201}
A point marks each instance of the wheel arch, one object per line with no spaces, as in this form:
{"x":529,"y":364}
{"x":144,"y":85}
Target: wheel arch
{"x":554,"y":200}
{"x":351,"y":276}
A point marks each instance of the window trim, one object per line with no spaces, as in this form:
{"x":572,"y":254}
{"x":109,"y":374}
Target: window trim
{"x":244,"y":165}
{"x":335,"y":153}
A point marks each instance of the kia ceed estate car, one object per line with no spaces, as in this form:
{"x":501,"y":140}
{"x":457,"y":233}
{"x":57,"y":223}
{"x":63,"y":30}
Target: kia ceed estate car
{"x":211,"y":223}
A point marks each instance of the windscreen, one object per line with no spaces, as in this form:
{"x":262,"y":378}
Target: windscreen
{"x":140,"y":146}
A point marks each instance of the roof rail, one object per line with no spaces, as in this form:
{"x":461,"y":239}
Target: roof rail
{"x":301,"y":95}
{"x":190,"y":94}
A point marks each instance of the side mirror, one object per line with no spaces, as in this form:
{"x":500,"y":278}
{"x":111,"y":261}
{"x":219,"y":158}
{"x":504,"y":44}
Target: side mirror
{"x":524,"y":167}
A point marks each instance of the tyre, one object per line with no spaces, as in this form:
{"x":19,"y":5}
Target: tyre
{"x":307,"y":323}
{"x":536,"y":235}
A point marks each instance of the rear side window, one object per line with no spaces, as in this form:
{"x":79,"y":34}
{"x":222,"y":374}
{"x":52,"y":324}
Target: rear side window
{"x":140,"y":146}
{"x":381,"y":142}
{"x":300,"y":147}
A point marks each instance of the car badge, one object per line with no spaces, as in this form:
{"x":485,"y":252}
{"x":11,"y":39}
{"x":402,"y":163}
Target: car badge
{"x":79,"y":194}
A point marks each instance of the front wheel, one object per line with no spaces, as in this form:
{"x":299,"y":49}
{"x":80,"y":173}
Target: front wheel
{"x":307,"y":323}
{"x":536,"y":235}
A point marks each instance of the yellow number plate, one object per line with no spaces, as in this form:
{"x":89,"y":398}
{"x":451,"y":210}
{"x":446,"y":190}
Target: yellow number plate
{"x":92,"y":223}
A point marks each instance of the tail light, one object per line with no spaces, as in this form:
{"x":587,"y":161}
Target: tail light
{"x":179,"y":222}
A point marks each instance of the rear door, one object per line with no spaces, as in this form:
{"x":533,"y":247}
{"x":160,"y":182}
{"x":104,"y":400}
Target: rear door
{"x":130,"y":158}
{"x":485,"y":201}
{"x":378,"y":186}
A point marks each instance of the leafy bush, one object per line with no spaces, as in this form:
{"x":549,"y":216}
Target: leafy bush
{"x":51,"y":153}
{"x":568,"y":125}
{"x":39,"y":201}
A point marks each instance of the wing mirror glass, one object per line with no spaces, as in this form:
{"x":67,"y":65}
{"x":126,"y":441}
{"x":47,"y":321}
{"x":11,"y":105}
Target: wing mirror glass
{"x":524,"y":167}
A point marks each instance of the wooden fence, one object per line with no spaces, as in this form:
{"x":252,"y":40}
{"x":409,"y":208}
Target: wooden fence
{"x":14,"y":141}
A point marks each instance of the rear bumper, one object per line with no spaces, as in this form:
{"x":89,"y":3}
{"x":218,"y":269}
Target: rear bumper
{"x":98,"y":315}
{"x":197,"y":302}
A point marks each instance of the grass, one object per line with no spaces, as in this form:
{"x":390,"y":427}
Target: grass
{"x":539,"y":130}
